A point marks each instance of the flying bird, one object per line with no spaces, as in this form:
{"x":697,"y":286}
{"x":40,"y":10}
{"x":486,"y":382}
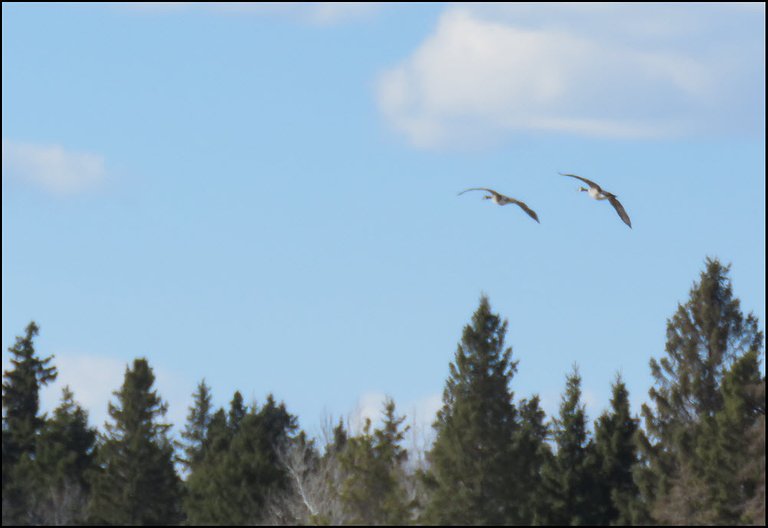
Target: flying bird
{"x":500,"y":199}
{"x":596,"y":192}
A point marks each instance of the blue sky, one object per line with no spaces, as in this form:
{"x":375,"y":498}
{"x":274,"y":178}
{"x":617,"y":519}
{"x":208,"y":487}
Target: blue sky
{"x":265,"y":196}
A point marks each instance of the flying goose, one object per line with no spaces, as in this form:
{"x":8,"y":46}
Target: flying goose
{"x":500,"y":199}
{"x":596,"y":192}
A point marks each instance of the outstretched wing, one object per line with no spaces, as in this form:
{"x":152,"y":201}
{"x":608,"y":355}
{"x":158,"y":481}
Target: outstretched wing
{"x":620,"y":209}
{"x":525,"y":208}
{"x":478,"y":189}
{"x":588,"y":182}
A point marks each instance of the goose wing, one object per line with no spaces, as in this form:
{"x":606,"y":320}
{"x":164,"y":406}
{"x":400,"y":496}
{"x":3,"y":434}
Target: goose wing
{"x":478,"y":189}
{"x":525,"y":208}
{"x":588,"y":182}
{"x":620,"y":209}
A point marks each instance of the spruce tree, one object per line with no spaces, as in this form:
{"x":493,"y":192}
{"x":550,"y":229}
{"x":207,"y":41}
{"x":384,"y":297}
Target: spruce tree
{"x":22,"y":423}
{"x":373,"y":492}
{"x":340,"y":438}
{"x":237,"y":412}
{"x":706,"y":337}
{"x":472,"y":476}
{"x":196,"y":430}
{"x":389,"y":453}
{"x":754,"y":507}
{"x":136,"y":482}
{"x":241,"y":466}
{"x":569,"y":476}
{"x":616,"y":452}
{"x":205,"y":481}
{"x":64,"y":461}
{"x":532,"y":454}
{"x":724,"y":441}
{"x":21,"y":395}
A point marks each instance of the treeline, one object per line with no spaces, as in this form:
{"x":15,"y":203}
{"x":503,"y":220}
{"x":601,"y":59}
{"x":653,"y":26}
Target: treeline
{"x":697,"y":458}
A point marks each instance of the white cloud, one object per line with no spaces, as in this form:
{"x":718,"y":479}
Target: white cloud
{"x":421,"y":435}
{"x":419,"y":415}
{"x":420,"y":412}
{"x":93,"y":380}
{"x":369,"y":406}
{"x":52,"y":167}
{"x":489,"y":71}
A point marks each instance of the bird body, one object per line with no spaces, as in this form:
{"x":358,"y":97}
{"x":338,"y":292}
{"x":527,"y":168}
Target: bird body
{"x":596,"y":192}
{"x":500,"y":199}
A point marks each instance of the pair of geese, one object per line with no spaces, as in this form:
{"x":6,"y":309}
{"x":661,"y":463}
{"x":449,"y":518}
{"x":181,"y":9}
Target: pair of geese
{"x":595,"y":191}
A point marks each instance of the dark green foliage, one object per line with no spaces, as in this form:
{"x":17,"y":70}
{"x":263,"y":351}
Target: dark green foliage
{"x":67,"y":442}
{"x":218,"y":437}
{"x":532,"y":454}
{"x":699,"y":460}
{"x":196,"y":430}
{"x":472,"y":475}
{"x":18,"y":490}
{"x":204,"y":480}
{"x":237,"y":412}
{"x":754,"y":506}
{"x":136,"y":482}
{"x":264,"y":434}
{"x":240,"y":467}
{"x":724,"y":440}
{"x":372,"y":463}
{"x":45,"y":462}
{"x":21,"y":395}
{"x":703,"y":338}
{"x":616,"y":452}
{"x":340,"y":438}
{"x":209,"y":498}
{"x":21,"y":424}
{"x":699,"y":399}
{"x":569,"y":477}
{"x":64,"y":460}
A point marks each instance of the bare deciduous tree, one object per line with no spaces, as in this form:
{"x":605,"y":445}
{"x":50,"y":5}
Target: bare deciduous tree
{"x":312,"y":493}
{"x":61,"y":505}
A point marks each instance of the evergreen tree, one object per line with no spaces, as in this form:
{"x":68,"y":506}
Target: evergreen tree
{"x":21,"y":423}
{"x":568,"y":478}
{"x":64,"y":460}
{"x":210,"y":489}
{"x":706,"y":337}
{"x":723,"y":444}
{"x":21,"y":395}
{"x":241,"y":466}
{"x":196,"y":430}
{"x":472,"y":477}
{"x":137,"y":482}
{"x":754,"y":507}
{"x":237,"y":412}
{"x":616,"y":452}
{"x":205,"y":481}
{"x":373,"y":492}
{"x":532,"y":453}
{"x":218,"y":436}
{"x":390,"y":454}
{"x":340,"y":438}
